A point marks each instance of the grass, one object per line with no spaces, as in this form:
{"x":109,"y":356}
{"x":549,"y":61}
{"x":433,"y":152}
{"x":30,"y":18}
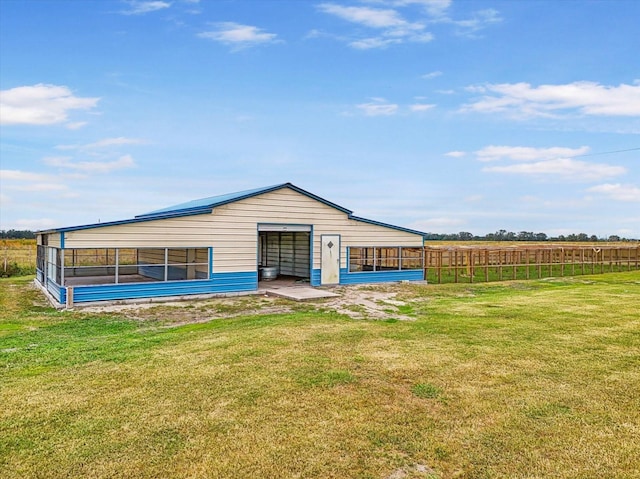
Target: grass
{"x":515,"y":379}
{"x":532,"y":271}
{"x":426,"y":391}
{"x":17,"y":257}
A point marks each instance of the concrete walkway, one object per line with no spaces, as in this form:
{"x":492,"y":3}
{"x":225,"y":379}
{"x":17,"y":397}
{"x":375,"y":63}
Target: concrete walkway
{"x":296,"y":292}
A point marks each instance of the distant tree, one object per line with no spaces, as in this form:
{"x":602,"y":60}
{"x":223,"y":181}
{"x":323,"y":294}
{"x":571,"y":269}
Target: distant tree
{"x":17,"y":234}
{"x":525,"y":236}
{"x":503,"y":235}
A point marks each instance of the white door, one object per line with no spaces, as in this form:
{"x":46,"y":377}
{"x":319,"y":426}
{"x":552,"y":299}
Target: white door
{"x":330,"y":259}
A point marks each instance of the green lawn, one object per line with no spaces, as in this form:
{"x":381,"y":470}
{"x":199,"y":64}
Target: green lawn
{"x":524,"y":379}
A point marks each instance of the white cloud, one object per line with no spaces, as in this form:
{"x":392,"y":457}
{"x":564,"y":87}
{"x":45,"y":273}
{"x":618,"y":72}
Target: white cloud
{"x":125,"y":161}
{"x":586,"y":98}
{"x":455,"y":154}
{"x":435,"y":8}
{"x":370,"y":17}
{"x":40,"y":105}
{"x":17,"y":175}
{"x":618,"y":192}
{"x":42,"y":187}
{"x":376,"y":42}
{"x":525,"y":153}
{"x":76,"y":125}
{"x":34,"y":224}
{"x":104,"y":143}
{"x":392,"y":27}
{"x":421,"y":107}
{"x":239,"y":36}
{"x":564,"y":168}
{"x":438,"y":10}
{"x":142,"y":7}
{"x":18,"y":180}
{"x":431,"y":75}
{"x":478,"y":21}
{"x":378,"y":107}
{"x":554,"y":161}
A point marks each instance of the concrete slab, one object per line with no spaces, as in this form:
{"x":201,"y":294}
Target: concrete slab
{"x":299,"y":293}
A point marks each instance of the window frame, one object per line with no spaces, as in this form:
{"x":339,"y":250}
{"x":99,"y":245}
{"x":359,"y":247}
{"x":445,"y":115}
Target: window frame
{"x":162,"y":264}
{"x":376,"y":259}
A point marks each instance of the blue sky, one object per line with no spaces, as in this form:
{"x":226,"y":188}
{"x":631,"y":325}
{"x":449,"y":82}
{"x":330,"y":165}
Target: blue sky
{"x":438,"y":115}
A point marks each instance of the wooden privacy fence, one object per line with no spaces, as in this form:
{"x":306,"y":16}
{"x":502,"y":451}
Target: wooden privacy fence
{"x":458,"y":264}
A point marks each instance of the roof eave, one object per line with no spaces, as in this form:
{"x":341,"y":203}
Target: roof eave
{"x":137,"y":219}
{"x":387,"y":225}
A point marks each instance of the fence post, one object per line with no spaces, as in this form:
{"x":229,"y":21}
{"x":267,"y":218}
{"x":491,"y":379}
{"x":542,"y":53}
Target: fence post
{"x":69,"y":302}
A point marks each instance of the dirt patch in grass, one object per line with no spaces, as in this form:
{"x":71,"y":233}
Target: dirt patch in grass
{"x":358,"y":302}
{"x":371,"y":302}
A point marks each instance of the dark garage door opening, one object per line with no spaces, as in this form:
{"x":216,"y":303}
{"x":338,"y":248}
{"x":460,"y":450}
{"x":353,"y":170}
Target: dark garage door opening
{"x":288,"y":251}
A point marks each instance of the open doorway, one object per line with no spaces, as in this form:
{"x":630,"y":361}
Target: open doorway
{"x":284,"y":255}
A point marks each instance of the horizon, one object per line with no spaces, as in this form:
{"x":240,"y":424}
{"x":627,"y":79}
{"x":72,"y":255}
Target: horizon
{"x":434,"y":115}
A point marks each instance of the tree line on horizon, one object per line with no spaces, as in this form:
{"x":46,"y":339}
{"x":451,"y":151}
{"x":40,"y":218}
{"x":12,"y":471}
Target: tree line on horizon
{"x":500,"y":235}
{"x":504,"y":235}
{"x":17,"y":234}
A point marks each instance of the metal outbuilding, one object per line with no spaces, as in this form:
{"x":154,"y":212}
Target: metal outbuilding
{"x":224,"y":244}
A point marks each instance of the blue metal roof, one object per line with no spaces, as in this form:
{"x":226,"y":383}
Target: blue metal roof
{"x":210,"y":202}
{"x":206,"y":205}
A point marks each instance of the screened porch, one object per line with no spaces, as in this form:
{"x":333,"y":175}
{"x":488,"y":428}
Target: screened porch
{"x":96,"y":266}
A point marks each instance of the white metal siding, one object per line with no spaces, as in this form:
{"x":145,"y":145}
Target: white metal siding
{"x":232,"y":230}
{"x":53,"y":240}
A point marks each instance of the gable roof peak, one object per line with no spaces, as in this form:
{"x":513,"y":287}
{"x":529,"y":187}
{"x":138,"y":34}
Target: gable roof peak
{"x":206,"y":205}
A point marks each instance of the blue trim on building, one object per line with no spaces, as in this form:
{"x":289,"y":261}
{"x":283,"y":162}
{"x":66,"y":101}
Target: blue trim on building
{"x":371,"y":276}
{"x":214,"y":201}
{"x":57,"y":291}
{"x":280,"y":224}
{"x":386,"y":225}
{"x":219,"y":283}
{"x":311,"y":238}
{"x":128,"y":221}
{"x":380,"y":276}
{"x":176,"y":212}
{"x":62,"y":240}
